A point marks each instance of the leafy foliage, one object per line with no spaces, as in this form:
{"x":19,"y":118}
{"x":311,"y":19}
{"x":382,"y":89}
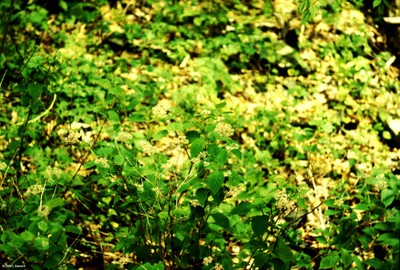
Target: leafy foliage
{"x":196,"y":134}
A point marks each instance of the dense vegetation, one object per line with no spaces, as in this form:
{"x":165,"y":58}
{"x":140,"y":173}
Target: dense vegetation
{"x":197,"y":135}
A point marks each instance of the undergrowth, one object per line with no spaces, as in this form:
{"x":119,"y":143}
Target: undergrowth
{"x":195,"y":134}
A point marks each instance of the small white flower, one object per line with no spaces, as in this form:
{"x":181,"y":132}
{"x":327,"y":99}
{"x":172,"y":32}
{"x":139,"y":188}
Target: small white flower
{"x":157,"y":190}
{"x":218,"y":266}
{"x":195,"y":203}
{"x":381,"y":185}
{"x":232,"y":147}
{"x":145,"y":147}
{"x":53,"y":171}
{"x":139,"y":187}
{"x":283,"y":202}
{"x":203,"y":154}
{"x":125,"y":260}
{"x":123,"y":137}
{"x":227,"y":173}
{"x":182,"y":140}
{"x":195,"y":160}
{"x":234,"y":192}
{"x":3,"y":165}
{"x":161,"y":109}
{"x":44,"y":210}
{"x":207,"y":260}
{"x":224,"y":130}
{"x":103,"y":162}
{"x":205,"y":113}
{"x":34,"y":190}
{"x":72,"y":138}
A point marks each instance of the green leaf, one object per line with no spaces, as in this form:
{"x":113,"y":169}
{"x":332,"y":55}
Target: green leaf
{"x":390,"y":239}
{"x":283,"y":252}
{"x":213,"y":150}
{"x":17,"y":240}
{"x":329,"y":261}
{"x":137,"y":117}
{"x":220,"y":105}
{"x":27,"y":236}
{"x":36,"y":106}
{"x":330,"y":212}
{"x":113,"y":116}
{"x":242,"y":208}
{"x":260,"y":224}
{"x":73,"y":229}
{"x":107,"y":200}
{"x":362,"y":206}
{"x":374,"y":262}
{"x":42,"y":243}
{"x":42,"y":225}
{"x":160,"y":135}
{"x":321,"y":239}
{"x":376,"y":3}
{"x":221,"y":157}
{"x":105,"y":151}
{"x":215,"y":181}
{"x":387,"y":196}
{"x":53,"y":260}
{"x":192,"y":135}
{"x":53,"y":203}
{"x":35,"y":90}
{"x":346,"y":257}
{"x":202,"y":195}
{"x":197,"y":146}
{"x":330,"y":202}
{"x":119,"y":160}
{"x":358,"y":262}
{"x":279,"y":264}
{"x":55,"y":227}
{"x":370,"y":231}
{"x":90,"y":164}
{"x":163,"y":215}
{"x":148,"y":266}
{"x":8,"y":249}
{"x":260,"y":260}
{"x":221,"y":220}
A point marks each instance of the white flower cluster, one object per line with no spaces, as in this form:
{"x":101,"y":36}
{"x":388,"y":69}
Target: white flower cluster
{"x":234,"y":192}
{"x":218,"y":266}
{"x":139,"y":187}
{"x":207,"y":260}
{"x":34,"y":190}
{"x":123,"y":137}
{"x":205,"y":113}
{"x":53,"y":171}
{"x":125,"y":260}
{"x":195,"y":203}
{"x":283,"y":202}
{"x":72,"y":138}
{"x":201,"y":156}
{"x":182,"y":140}
{"x":146,"y":147}
{"x":3,"y":165}
{"x":161,"y":110}
{"x":103,"y":162}
{"x":167,"y":166}
{"x":227,"y":173}
{"x":224,"y":130}
{"x":381,"y":185}
{"x":44,"y":210}
{"x":233,"y":146}
{"x":158,"y":191}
